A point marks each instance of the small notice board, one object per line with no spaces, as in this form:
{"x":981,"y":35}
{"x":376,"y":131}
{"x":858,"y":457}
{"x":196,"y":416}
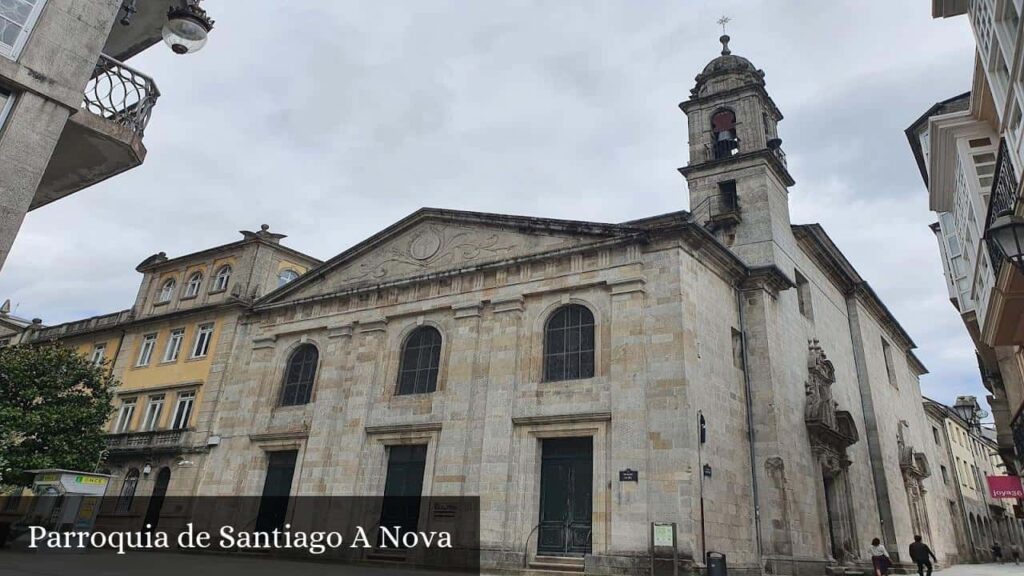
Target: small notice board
{"x":663,"y":546}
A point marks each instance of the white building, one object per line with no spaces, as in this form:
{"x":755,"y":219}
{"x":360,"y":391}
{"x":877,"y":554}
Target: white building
{"x":969,"y":151}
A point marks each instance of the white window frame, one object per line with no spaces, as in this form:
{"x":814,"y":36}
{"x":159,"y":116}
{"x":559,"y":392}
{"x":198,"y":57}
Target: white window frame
{"x":154,"y":408}
{"x":167,"y":291}
{"x":125,"y":415}
{"x":146,"y":350}
{"x":223,"y":278}
{"x":173,"y":349}
{"x":195,"y":282}
{"x":14,"y":52}
{"x":99,"y":351}
{"x":201,"y":346}
{"x":183,"y":409}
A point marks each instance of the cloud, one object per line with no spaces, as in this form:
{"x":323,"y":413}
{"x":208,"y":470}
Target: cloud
{"x":331,"y":120}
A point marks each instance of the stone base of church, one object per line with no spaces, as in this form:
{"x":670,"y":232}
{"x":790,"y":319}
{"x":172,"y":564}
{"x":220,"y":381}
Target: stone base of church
{"x":513,"y":563}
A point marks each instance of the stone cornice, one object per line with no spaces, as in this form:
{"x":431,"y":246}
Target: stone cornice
{"x":757,"y":89}
{"x":711,"y":252}
{"x":562,"y":418}
{"x":404,"y":428}
{"x":820,"y":248}
{"x":768,"y":278}
{"x":770,"y":158}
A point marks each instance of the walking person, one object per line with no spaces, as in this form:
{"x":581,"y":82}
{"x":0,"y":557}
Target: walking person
{"x":922,"y":555}
{"x":1015,"y":553}
{"x":879,"y":558}
{"x":997,"y":552}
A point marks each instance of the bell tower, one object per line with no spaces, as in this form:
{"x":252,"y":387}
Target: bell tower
{"x":737,"y":173}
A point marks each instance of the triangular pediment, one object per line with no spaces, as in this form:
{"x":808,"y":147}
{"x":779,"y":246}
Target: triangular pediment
{"x":434,"y":241}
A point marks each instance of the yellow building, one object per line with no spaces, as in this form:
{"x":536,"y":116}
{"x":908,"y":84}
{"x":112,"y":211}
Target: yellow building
{"x":169,"y":350}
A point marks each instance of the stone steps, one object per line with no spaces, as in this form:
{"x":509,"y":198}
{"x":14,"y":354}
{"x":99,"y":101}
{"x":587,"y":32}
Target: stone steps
{"x":557,"y":564}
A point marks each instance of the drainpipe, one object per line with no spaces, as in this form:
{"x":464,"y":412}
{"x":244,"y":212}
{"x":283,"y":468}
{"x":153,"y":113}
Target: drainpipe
{"x":751,"y":435}
{"x":117,"y":352}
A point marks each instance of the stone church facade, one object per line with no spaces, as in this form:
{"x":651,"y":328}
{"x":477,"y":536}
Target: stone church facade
{"x":563,"y":371}
{"x":722,"y":369}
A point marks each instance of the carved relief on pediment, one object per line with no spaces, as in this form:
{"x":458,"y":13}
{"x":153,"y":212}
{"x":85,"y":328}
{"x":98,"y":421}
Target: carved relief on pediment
{"x":431,"y":247}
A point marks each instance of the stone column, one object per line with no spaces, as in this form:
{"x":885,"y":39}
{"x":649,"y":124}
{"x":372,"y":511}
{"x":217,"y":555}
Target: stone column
{"x":627,"y":374}
{"x":460,"y":389}
{"x":503,"y":519}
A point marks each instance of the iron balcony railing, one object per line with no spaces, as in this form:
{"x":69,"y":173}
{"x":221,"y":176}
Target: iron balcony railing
{"x":121,"y":94}
{"x":1002,"y":199}
{"x":146,"y":441}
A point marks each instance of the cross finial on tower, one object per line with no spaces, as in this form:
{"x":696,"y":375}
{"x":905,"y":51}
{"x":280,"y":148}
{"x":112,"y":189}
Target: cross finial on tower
{"x":725,"y":37}
{"x":723,"y":21}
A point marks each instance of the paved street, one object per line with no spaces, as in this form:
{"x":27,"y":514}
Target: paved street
{"x":19,"y":563}
{"x":983,"y":570}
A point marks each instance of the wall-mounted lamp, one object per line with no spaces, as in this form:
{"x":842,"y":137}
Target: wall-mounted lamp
{"x":1007,"y":231}
{"x":147,"y":469}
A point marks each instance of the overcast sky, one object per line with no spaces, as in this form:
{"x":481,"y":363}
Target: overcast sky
{"x":330,"y":120}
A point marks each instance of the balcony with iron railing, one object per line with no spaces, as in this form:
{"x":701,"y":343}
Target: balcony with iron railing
{"x":1003,"y":322}
{"x":104,"y":137}
{"x":1003,"y":198}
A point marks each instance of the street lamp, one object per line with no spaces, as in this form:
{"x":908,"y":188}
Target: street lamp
{"x":965,"y":411}
{"x":187,"y":28}
{"x":1007,"y":231}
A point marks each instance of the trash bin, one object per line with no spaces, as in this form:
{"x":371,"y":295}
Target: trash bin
{"x":716,"y":564}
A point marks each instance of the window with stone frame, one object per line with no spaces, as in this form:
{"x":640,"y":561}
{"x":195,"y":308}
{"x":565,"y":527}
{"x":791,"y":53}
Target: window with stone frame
{"x":195,"y":281}
{"x":420,"y":362}
{"x":737,"y":349}
{"x":299,"y":374}
{"x":569,"y":344}
{"x":803,"y":295}
{"x":220,"y":281}
{"x":890,"y":368}
{"x":166,"y":291}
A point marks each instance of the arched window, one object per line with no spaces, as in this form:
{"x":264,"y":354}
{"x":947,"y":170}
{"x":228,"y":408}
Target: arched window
{"x":299,"y":375}
{"x":194,"y":282}
{"x":569,"y":344}
{"x":286,"y":276}
{"x":124,"y":500}
{"x":723,"y":129}
{"x":166,"y":291}
{"x":220,"y":282}
{"x":421,"y":356}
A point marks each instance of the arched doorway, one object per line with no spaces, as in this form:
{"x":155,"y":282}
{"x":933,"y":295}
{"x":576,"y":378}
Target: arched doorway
{"x":156,"y":500}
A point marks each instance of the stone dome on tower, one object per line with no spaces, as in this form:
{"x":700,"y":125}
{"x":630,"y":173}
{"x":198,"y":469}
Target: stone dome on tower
{"x":725,"y":72}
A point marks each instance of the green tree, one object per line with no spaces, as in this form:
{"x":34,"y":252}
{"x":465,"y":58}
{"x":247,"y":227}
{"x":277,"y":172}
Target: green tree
{"x":53,"y":405}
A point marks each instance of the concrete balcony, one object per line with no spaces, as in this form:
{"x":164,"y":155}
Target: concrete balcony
{"x":105,"y":137}
{"x":154,"y":442}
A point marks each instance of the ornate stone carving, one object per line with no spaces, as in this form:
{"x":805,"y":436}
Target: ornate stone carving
{"x":432,"y":246}
{"x":831,"y":432}
{"x":914,"y":465}
{"x":831,"y":429}
{"x":914,"y":468}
